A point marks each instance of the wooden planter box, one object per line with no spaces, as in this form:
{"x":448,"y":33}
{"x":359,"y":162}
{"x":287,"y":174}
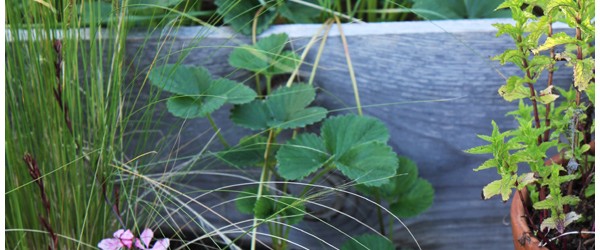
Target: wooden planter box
{"x":434,"y":85}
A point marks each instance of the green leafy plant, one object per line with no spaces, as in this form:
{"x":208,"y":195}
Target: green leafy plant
{"x":458,"y":9}
{"x":241,"y":14}
{"x":354,"y":145}
{"x":549,"y":120}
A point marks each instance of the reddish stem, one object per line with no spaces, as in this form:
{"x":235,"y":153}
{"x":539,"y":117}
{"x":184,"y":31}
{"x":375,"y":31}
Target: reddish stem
{"x":36,"y":175}
{"x":550,"y":80}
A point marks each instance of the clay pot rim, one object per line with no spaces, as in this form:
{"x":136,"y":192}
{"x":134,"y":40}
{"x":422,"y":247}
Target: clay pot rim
{"x":520,"y":229}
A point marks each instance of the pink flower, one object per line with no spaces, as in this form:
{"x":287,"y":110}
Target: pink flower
{"x":144,"y":241}
{"x":122,"y":238}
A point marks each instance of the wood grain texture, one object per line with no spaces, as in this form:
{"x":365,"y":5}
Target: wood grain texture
{"x":433,"y":84}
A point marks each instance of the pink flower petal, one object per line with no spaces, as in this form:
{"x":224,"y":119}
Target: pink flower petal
{"x":146,"y":236}
{"x":139,"y":244}
{"x":110,"y":244}
{"x":125,"y":237}
{"x":162,"y":244}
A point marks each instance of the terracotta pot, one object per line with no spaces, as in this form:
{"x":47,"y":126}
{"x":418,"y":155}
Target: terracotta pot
{"x":522,"y":236}
{"x":523,"y":239}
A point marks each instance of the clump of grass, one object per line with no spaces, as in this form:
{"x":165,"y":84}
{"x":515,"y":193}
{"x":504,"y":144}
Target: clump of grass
{"x":63,"y":101}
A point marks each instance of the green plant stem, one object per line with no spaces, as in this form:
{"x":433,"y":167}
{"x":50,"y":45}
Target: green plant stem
{"x":258,"y":87}
{"x":550,"y":79}
{"x":263,"y":177}
{"x":380,"y":213}
{"x":261,"y":185}
{"x":218,"y":131}
{"x":532,"y":92}
{"x":268,"y":79}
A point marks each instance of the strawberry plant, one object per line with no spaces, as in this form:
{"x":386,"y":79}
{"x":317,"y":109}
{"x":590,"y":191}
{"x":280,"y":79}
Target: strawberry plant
{"x":354,"y":145}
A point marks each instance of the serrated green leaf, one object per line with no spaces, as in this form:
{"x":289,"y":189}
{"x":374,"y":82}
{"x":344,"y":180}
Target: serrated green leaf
{"x":502,"y":187}
{"x":246,"y":200}
{"x":590,"y":190}
{"x":590,"y":91}
{"x":191,"y":107}
{"x":301,"y":156}
{"x":514,"y":89}
{"x":285,"y":108}
{"x":407,"y":194}
{"x":240,"y":15}
{"x":560,"y":222}
{"x":253,"y":115}
{"x":491,"y":163}
{"x":525,"y":179}
{"x":492,"y":189}
{"x":300,"y":13}
{"x":509,"y":4}
{"x":485,"y":138}
{"x":514,"y":56}
{"x":286,"y":62}
{"x":550,"y":223}
{"x":556,"y":39}
{"x":249,"y":58}
{"x":368,"y":242}
{"x":233,"y":92}
{"x":340,"y":133}
{"x":300,"y":118}
{"x":583,"y":73}
{"x":504,"y":28}
{"x":290,"y":208}
{"x":486,"y":149}
{"x":555,"y":4}
{"x":180,"y":79}
{"x":406,"y":176}
{"x":249,"y":151}
{"x":371,"y":164}
{"x":546,"y":99}
{"x":540,"y":63}
{"x":552,"y":202}
{"x":570,"y":200}
{"x":264,"y":207}
{"x":414,"y":201}
{"x":197,"y":94}
{"x":353,"y":144}
{"x":266,"y":57}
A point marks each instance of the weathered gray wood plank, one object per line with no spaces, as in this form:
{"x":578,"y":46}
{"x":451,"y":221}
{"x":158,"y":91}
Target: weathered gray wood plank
{"x":403,"y":71}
